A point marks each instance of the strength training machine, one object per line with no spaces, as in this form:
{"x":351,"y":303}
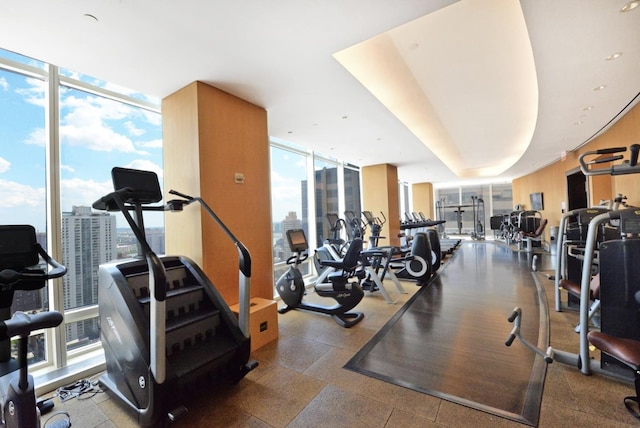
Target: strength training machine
{"x":614,"y":261}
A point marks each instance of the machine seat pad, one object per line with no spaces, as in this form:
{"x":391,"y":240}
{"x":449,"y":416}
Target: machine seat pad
{"x":575,"y":288}
{"x":626,"y":350}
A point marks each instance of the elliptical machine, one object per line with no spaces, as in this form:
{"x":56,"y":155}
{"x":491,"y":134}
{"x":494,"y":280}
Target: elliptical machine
{"x":290,"y":286}
{"x":19,"y":253}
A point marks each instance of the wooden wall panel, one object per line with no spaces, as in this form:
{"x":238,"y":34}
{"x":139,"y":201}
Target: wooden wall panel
{"x":183,"y":231}
{"x":422,"y":199}
{"x":232,"y":138}
{"x":551,"y":180}
{"x":380,"y":193}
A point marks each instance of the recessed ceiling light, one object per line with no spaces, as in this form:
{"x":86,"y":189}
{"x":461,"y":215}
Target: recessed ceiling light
{"x":614,"y":56}
{"x":578,"y":122}
{"x":599,"y":88}
{"x":630,"y":6}
{"x":587,"y":108}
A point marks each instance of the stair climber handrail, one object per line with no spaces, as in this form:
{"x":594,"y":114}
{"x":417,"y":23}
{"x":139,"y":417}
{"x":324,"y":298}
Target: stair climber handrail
{"x":157,"y":282}
{"x":244,"y":258}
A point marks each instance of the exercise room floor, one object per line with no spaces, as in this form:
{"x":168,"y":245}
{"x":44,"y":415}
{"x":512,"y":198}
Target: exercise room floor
{"x":301,"y":383}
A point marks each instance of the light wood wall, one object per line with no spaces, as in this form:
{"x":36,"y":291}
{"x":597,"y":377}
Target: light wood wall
{"x":210,"y":136}
{"x":380,"y":193}
{"x":552,"y":181}
{"x":422,"y":199}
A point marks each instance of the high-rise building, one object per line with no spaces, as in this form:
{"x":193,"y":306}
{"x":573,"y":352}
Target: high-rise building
{"x":291,"y":221}
{"x":88,"y":239}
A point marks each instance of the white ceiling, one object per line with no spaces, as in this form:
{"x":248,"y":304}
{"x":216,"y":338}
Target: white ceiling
{"x":448,"y":91}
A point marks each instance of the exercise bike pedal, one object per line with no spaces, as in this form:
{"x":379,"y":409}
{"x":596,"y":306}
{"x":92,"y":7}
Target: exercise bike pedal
{"x":177,"y":413}
{"x":45,"y":405}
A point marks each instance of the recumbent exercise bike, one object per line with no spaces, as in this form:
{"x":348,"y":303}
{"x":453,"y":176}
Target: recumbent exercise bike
{"x":19,"y":257}
{"x":347,"y":294}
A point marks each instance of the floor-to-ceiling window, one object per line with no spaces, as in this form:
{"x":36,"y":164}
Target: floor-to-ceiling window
{"x":465,"y":206}
{"x":97,"y":133}
{"x":23,"y":171}
{"x":305,"y":187}
{"x":60,"y":134}
{"x":326,"y":196}
{"x":289,"y":208}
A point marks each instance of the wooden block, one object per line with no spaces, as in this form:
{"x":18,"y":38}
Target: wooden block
{"x":263,"y":321}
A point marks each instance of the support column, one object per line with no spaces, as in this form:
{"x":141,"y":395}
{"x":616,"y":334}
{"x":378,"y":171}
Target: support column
{"x":380,"y":193}
{"x":422,"y":199}
{"x":216,"y":146}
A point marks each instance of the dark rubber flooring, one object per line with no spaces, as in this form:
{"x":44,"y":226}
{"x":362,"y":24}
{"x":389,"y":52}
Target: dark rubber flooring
{"x":448,"y":340}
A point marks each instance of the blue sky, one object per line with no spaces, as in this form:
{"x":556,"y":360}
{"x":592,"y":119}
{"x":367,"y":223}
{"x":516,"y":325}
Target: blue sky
{"x":96,"y":134}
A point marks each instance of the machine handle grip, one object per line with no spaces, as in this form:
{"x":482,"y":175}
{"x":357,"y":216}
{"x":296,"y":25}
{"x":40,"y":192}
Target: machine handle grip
{"x":21,"y":324}
{"x":607,"y":159}
{"x":610,"y":150}
{"x":514,"y":317}
{"x":182,"y":195}
{"x":634,"y":148}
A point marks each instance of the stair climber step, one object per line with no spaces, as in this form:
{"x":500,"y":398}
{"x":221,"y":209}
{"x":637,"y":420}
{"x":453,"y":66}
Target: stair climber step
{"x":191,"y":349}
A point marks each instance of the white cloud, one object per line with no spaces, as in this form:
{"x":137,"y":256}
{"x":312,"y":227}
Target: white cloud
{"x":37,"y":137}
{"x":15,"y":194}
{"x":78,"y":192}
{"x":67,"y":168}
{"x":145,"y":165}
{"x":84,"y":124}
{"x":99,"y":138}
{"x":286,"y":195}
{"x":153,"y":144}
{"x":35,"y":93}
{"x":4,"y":84}
{"x":4,"y":165}
{"x":133,"y":130}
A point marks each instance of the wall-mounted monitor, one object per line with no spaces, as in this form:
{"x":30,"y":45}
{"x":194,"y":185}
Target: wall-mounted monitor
{"x":537,"y":201}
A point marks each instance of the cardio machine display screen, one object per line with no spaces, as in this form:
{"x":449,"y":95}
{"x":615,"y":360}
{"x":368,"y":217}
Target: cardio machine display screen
{"x":17,"y":247}
{"x":297,"y":240}
{"x":144,"y":185}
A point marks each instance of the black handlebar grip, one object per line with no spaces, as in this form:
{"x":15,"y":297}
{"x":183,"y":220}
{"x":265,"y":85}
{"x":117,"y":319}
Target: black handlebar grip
{"x":513,"y":316}
{"x":634,"y":148}
{"x":510,"y":339}
{"x":608,"y":159}
{"x":611,"y":150}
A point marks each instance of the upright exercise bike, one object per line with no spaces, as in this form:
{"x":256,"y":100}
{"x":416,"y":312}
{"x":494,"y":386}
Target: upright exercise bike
{"x":19,"y":255}
{"x":347,"y":294}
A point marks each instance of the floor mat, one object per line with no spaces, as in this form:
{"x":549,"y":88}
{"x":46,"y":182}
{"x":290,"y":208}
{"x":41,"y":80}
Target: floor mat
{"x":448,"y":340}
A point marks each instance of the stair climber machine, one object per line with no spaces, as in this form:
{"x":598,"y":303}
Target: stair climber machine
{"x":164,"y":326}
{"x":19,"y":257}
{"x":347,"y":294}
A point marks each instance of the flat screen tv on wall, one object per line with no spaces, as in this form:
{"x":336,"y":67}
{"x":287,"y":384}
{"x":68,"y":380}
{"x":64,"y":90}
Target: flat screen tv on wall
{"x":537,"y":201}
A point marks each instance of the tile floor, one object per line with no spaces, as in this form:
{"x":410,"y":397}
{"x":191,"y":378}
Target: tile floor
{"x":301,"y":383}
